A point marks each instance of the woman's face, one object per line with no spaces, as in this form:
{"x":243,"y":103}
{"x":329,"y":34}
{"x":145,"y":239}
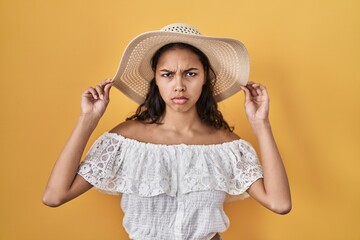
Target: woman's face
{"x":180,"y":76}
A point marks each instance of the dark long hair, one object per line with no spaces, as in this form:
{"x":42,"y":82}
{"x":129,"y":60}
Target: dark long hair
{"x":152,"y":109}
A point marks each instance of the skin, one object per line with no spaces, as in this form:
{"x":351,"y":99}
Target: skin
{"x":179,"y":76}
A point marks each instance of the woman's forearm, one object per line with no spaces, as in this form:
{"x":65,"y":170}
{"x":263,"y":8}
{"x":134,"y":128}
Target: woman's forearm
{"x":276,"y":183}
{"x":64,"y":184}
{"x":66,"y":166}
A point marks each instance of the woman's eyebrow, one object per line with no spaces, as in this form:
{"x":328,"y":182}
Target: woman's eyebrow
{"x":190,"y":69}
{"x":165,"y":70}
{"x":186,"y":70}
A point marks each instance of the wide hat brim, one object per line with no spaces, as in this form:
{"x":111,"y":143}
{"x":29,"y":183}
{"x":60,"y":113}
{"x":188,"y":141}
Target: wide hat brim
{"x":228,"y":58}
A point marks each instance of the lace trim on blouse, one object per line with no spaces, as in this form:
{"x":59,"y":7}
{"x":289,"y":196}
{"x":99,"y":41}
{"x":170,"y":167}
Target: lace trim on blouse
{"x":115,"y":164}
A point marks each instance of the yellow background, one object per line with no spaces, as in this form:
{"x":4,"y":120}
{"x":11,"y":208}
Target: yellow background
{"x":306,"y":52}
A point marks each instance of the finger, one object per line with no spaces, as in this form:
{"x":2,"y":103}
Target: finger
{"x":107,"y":91}
{"x":255,"y":87}
{"x":252,"y":89}
{"x":247,"y":93}
{"x":91,"y":92}
{"x":100,"y":91}
{"x":261,"y":89}
{"x":258,"y":89}
{"x":258,"y":85}
{"x":264,"y":91}
{"x":106,"y":81}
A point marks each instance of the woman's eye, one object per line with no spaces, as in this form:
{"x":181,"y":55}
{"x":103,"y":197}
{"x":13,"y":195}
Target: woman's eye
{"x":166,"y":75}
{"x":191,"y":74}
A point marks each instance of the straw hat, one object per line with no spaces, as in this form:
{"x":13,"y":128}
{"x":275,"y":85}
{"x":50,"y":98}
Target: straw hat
{"x":228,"y":58}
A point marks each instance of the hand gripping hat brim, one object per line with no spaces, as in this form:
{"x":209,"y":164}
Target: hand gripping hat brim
{"x":228,"y":58}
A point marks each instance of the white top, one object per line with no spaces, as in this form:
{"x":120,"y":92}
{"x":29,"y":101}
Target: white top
{"x":171,"y":191}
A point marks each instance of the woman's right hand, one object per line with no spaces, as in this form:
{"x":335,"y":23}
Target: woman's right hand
{"x":95,"y":99}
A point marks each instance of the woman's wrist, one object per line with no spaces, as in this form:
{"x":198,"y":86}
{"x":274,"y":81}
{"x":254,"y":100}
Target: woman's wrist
{"x":88,"y":121}
{"x":260,"y":126}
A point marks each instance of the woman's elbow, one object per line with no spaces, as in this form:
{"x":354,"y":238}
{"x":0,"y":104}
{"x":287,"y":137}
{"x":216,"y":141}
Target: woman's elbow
{"x":281,"y":209}
{"x":52,"y":200}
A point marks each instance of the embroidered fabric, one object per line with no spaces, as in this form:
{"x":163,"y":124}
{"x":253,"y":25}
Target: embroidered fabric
{"x":171,"y":191}
{"x":116,"y":164}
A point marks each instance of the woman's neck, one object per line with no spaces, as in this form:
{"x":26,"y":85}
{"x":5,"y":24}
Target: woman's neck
{"x":180,"y":122}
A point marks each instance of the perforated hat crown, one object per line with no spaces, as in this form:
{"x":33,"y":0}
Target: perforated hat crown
{"x":180,"y":28}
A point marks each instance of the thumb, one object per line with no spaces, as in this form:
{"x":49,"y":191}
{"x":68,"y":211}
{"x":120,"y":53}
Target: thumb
{"x":107,"y":91}
{"x":247,"y":93}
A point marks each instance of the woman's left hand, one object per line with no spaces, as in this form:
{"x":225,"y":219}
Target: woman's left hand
{"x":256,"y":102}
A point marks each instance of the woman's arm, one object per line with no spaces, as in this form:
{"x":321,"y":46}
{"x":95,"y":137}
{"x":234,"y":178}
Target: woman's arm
{"x":273,"y":190}
{"x":64,"y":183}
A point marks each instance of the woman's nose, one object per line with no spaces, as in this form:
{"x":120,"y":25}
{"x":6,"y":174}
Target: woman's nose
{"x":179,"y":84}
{"x":180,"y":88}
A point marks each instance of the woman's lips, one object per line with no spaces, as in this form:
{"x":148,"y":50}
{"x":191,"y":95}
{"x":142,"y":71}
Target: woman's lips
{"x":180,"y":100}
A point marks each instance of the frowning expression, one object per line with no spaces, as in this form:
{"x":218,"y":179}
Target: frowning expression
{"x":180,"y":77}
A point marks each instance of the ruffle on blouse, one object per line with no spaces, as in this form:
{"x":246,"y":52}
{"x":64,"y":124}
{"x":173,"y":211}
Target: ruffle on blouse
{"x":115,"y":164}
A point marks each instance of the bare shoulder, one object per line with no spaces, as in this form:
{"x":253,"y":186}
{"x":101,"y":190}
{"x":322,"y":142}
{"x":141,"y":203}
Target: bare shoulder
{"x":129,"y":129}
{"x":226,"y":136}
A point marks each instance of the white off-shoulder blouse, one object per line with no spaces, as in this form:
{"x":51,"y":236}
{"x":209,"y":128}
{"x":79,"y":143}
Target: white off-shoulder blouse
{"x":171,"y":191}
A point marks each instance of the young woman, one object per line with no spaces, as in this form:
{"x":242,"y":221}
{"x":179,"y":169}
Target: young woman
{"x":176,"y":160}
